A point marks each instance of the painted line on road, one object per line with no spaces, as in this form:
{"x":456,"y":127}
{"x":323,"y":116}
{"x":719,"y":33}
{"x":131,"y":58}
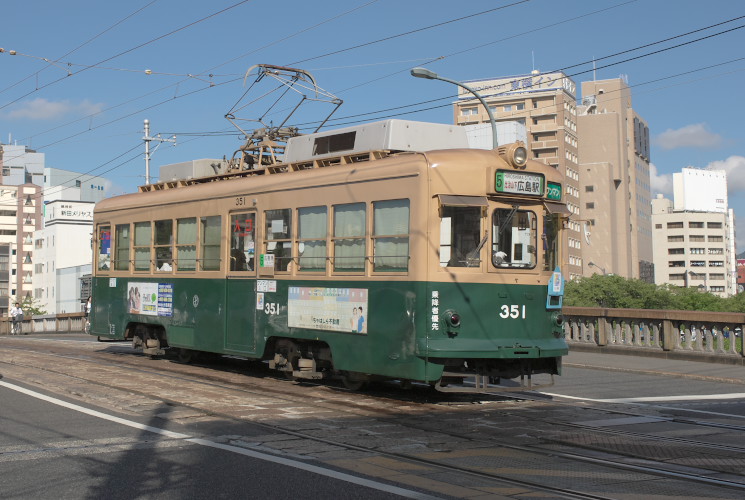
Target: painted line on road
{"x":656,"y":399}
{"x":225,"y":447}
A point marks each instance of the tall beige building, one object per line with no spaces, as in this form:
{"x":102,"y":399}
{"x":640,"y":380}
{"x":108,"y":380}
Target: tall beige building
{"x":615,"y":184}
{"x":546,"y":104}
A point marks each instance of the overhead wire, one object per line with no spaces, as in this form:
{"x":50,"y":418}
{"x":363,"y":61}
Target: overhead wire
{"x":72,"y":51}
{"x":144,"y":44}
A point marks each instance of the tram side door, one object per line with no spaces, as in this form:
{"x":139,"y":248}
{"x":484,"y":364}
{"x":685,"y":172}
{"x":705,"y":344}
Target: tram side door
{"x":240,"y":331}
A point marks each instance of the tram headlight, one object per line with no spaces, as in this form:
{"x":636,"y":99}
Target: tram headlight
{"x":515,"y":154}
{"x":557,"y":318}
{"x":452,"y":321}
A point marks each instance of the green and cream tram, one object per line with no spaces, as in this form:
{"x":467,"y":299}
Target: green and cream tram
{"x":365,"y":261}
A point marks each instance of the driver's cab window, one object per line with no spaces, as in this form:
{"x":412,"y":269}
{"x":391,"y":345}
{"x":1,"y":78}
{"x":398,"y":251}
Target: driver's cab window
{"x":460,"y":236}
{"x":514,"y":238}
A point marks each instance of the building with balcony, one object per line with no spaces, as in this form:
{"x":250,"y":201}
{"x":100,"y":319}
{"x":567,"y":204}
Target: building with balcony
{"x":545,"y":104}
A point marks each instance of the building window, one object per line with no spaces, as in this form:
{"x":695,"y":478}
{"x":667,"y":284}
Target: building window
{"x":715,"y":251}
{"x":698,"y":263}
{"x":468,"y":111}
{"x":675,"y":251}
{"x":675,"y":225}
{"x":698,"y":238}
{"x":716,"y":276}
{"x":676,"y":263}
{"x":696,"y":225}
{"x":589,"y":189}
{"x":714,"y":225}
{"x":716,"y":238}
{"x":658,"y":226}
{"x":590,"y":205}
{"x":697,"y":251}
{"x":676,"y":238}
{"x":677,"y":276}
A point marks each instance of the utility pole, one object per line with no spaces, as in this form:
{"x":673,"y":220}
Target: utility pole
{"x":147,"y":140}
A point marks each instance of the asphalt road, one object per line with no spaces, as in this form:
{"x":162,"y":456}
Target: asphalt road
{"x":50,"y":451}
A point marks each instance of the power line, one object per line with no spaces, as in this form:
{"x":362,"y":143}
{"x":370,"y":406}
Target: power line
{"x":130,"y":50}
{"x":81,"y":45}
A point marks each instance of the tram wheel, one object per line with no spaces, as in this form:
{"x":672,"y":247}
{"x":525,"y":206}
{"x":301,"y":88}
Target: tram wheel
{"x":185,"y":356}
{"x":354,"y":381}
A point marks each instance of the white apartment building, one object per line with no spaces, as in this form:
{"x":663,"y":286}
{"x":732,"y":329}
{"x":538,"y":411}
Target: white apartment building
{"x":63,"y":255}
{"x":694,"y":235}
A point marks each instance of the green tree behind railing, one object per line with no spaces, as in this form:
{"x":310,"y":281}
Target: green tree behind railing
{"x":616,"y":292}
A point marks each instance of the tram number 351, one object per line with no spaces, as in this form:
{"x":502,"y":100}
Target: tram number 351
{"x":513,"y":311}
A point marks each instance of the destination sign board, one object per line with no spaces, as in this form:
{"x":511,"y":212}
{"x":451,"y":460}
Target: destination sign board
{"x":519,"y":183}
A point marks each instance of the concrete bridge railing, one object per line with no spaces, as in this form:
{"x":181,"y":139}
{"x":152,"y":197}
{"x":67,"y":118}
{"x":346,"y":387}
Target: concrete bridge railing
{"x":702,"y":335}
{"x":70,"y":322}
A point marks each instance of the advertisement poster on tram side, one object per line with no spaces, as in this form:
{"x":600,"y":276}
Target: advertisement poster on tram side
{"x":152,"y":299}
{"x":332,"y":309}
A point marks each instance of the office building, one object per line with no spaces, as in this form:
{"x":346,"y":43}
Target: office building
{"x":545,"y":104}
{"x":614,"y":178}
{"x":694,"y":246}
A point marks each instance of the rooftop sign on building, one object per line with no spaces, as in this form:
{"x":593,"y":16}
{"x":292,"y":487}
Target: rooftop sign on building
{"x":520,"y":84}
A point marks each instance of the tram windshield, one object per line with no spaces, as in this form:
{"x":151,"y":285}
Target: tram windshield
{"x":514,"y":235}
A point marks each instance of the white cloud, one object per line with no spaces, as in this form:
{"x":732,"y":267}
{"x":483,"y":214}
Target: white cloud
{"x":690,"y":136}
{"x":735,"y":168}
{"x":662,"y":183}
{"x":43,"y":109}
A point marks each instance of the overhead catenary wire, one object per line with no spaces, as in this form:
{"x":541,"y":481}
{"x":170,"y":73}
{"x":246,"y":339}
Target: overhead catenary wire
{"x":401,"y":107}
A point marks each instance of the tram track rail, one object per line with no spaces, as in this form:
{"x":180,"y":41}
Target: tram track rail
{"x":222,"y":380}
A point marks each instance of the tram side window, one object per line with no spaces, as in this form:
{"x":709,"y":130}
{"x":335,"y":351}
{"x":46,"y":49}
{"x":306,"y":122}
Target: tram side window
{"x":121,"y":255}
{"x":460,"y":236}
{"x":104,"y":248}
{"x":210,"y":243}
{"x":143,"y":237}
{"x":163,"y":244}
{"x":550,"y":241}
{"x":242,"y":241}
{"x":278,"y":235}
{"x":391,"y":235}
{"x":186,"y":244}
{"x":514,"y":235}
{"x":349,"y":237}
{"x":312,"y":228}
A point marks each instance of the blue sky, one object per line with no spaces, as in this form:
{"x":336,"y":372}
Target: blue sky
{"x":77,"y":88}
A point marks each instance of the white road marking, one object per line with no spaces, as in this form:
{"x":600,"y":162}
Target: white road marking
{"x":225,"y":447}
{"x":653,"y":399}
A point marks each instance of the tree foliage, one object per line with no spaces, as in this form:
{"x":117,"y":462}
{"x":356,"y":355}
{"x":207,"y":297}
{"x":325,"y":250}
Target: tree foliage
{"x":616,"y":292}
{"x":31,"y":307}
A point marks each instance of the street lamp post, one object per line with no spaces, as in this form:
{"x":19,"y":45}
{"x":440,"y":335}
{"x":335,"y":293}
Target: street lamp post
{"x":431,"y":75}
{"x":602,"y":269}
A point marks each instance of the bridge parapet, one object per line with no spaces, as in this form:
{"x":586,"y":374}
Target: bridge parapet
{"x":700,"y":333}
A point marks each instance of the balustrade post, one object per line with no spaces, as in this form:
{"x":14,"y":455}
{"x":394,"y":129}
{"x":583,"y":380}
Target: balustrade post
{"x":603,"y":328}
{"x":669,"y":335}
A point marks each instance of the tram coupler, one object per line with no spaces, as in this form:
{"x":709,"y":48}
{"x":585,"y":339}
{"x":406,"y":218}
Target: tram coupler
{"x":307,"y":370}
